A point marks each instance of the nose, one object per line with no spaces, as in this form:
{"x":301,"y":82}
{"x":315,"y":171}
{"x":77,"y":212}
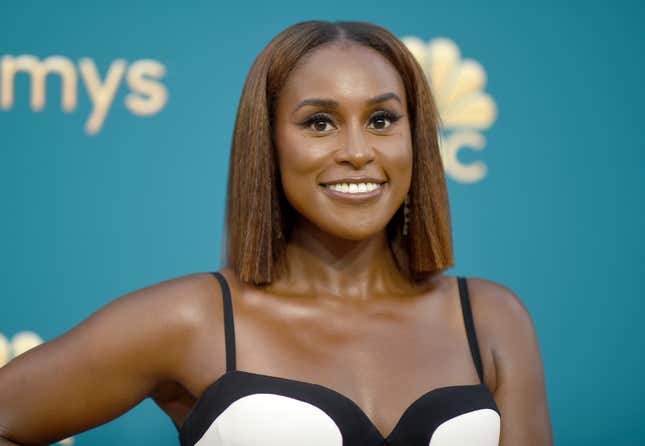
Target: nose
{"x":355,"y":148}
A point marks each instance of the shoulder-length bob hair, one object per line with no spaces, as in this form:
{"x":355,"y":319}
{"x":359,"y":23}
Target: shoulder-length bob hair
{"x":258,"y":216}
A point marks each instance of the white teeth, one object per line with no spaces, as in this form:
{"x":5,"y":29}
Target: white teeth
{"x":353,"y":188}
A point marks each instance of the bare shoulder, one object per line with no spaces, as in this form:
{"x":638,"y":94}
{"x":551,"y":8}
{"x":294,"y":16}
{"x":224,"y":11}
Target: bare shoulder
{"x":188,"y":309}
{"x":498,"y":310}
{"x":520,"y":388}
{"x":185,"y":300}
{"x":503,"y":326}
{"x":176,"y":306}
{"x":109,"y":362}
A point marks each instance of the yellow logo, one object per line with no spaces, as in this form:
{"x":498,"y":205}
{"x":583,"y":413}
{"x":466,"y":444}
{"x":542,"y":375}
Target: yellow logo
{"x":465,"y":110}
{"x":20,"y":343}
{"x":147,"y":98}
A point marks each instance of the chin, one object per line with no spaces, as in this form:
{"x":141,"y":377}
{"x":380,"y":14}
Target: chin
{"x":355,"y":233}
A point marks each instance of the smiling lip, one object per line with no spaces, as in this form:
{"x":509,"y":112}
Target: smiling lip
{"x":354,"y":197}
{"x":356,"y":180}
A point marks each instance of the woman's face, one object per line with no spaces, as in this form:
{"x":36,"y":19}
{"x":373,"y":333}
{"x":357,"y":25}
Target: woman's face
{"x":343,"y":140}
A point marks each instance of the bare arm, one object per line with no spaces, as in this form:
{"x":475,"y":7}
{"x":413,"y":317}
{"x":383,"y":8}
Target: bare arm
{"x":101,"y":368}
{"x":520,"y":394}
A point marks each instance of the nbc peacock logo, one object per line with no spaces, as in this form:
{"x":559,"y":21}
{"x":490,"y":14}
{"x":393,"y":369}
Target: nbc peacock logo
{"x":465,"y":110}
{"x":20,"y":343}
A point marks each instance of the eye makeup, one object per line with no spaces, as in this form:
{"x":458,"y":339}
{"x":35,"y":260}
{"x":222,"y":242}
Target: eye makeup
{"x":381,"y":115}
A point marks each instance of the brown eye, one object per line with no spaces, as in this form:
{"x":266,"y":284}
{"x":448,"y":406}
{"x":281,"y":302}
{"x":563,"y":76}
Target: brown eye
{"x":384,"y":119}
{"x":381,"y":123}
{"x":318,"y":123}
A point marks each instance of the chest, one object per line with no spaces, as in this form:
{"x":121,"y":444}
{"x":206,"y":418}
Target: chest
{"x":243,"y":409}
{"x":392,"y":373}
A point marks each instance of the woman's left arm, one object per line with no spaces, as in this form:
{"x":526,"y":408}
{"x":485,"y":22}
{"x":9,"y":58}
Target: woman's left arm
{"x":520,"y":392}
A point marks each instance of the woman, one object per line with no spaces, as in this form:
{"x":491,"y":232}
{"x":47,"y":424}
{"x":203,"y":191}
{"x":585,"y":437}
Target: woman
{"x":333,"y":322}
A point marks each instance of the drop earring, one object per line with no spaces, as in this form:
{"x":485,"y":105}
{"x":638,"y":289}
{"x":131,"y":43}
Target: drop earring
{"x":406,"y":215}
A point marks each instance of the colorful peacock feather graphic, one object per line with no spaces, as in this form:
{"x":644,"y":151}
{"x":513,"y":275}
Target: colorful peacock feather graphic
{"x":465,"y":110}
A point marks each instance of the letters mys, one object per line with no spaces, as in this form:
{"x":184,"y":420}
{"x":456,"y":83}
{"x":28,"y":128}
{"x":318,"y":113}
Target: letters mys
{"x":148,"y":96}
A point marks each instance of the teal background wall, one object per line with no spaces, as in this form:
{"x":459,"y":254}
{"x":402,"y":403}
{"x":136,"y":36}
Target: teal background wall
{"x":558,"y":218}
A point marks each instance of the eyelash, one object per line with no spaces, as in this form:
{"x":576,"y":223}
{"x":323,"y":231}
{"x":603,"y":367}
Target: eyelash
{"x":382,"y":114}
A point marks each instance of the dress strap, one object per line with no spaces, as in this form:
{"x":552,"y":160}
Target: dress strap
{"x":229,"y":327}
{"x":470,"y":325}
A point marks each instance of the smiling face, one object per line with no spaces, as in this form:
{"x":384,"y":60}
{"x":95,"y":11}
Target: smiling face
{"x":343,"y":140}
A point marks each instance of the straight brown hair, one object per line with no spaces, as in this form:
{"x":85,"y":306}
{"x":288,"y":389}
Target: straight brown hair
{"x":258,"y":216}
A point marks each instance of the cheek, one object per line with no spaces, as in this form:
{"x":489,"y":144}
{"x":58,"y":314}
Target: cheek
{"x":300,"y":163}
{"x":397,"y":157}
{"x":297,"y":154}
{"x":295,"y":159}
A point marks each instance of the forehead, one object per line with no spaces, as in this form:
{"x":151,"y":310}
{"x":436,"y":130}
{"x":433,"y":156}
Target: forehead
{"x":351,"y":72}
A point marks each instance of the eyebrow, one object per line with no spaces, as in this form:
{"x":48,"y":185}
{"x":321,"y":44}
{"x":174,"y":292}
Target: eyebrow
{"x":330,"y":103}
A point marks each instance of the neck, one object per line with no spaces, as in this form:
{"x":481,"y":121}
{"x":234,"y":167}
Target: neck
{"x":319,"y":263}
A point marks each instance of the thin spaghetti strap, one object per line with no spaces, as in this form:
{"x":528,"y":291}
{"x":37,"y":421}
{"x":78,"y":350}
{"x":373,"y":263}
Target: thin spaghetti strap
{"x":470,"y":326}
{"x":229,"y":327}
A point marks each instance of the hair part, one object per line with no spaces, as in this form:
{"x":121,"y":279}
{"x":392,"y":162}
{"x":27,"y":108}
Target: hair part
{"x":259,"y":217}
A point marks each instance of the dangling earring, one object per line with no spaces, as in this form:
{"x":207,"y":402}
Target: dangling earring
{"x":406,"y":213}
